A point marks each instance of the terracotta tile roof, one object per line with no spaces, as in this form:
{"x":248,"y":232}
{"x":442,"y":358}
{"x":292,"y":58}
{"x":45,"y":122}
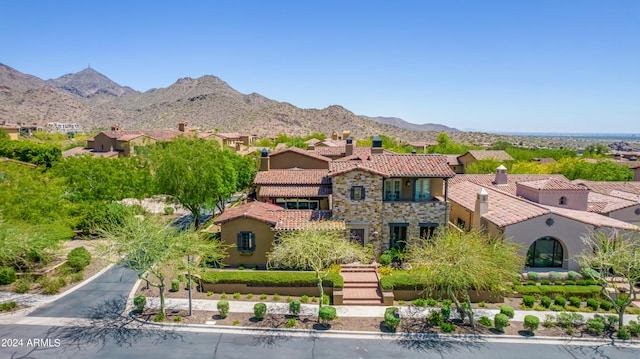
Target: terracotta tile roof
{"x":312,"y":141}
{"x":512,"y":179}
{"x":228,"y":135}
{"x":625,"y":195}
{"x":165,"y":135}
{"x":126,"y":135}
{"x":332,"y":143}
{"x":341,"y":151}
{"x":76,"y":151}
{"x":120,"y":133}
{"x":453,"y":160}
{"x":129,"y":137}
{"x":601,"y":203}
{"x":397,"y":166}
{"x":294,"y":191}
{"x":610,"y":186}
{"x":551,"y":184}
{"x":279,"y":218}
{"x":302,"y":152}
{"x":634,"y":165}
{"x":499,"y":155}
{"x":293,"y":176}
{"x":504,"y":209}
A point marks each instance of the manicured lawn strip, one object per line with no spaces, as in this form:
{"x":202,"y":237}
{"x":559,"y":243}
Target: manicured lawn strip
{"x":588,"y":291}
{"x":272,"y":279}
{"x":401,"y":280}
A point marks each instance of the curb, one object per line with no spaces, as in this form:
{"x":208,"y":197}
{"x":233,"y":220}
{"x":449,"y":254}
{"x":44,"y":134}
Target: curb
{"x":391,"y":336}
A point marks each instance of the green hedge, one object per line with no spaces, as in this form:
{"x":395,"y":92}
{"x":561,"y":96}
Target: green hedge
{"x":272,"y":279}
{"x":553,"y":290}
{"x":401,"y":280}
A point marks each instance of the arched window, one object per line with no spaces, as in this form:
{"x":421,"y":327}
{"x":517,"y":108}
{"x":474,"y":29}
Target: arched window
{"x":545,"y":252}
{"x":562,"y":201}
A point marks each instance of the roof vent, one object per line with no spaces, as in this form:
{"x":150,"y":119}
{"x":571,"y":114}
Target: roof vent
{"x":376,"y":142}
{"x":265,"y":152}
{"x":413,"y":152}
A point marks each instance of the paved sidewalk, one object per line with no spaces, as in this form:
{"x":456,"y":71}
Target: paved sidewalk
{"x":348,"y":311}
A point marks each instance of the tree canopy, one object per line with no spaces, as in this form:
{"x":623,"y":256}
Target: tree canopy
{"x":198,"y":174}
{"x":456,"y":262}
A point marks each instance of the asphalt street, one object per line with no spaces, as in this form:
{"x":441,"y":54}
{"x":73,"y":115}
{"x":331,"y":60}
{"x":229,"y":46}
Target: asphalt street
{"x":112,"y":286}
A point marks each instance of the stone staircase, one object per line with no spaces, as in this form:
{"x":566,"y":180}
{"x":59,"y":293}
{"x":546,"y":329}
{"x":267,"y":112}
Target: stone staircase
{"x":361,"y":285}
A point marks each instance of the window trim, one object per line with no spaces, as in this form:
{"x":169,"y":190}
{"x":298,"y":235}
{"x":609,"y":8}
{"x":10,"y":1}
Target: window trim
{"x":358,"y":190}
{"x":250,"y":244}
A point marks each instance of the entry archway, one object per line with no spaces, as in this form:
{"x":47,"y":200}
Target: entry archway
{"x":546,"y":252}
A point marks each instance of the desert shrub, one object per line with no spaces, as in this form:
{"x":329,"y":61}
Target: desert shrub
{"x":177,"y":319}
{"x":235,"y":323}
{"x":7,"y":275}
{"x":419,"y":302}
{"x":634,"y":328}
{"x":52,"y":285}
{"x":223,"y":308}
{"x":327,"y":313}
{"x":545,"y":301}
{"x":326,"y":300}
{"x":391,"y":318}
{"x":182,"y":277}
{"x":304,"y":298}
{"x":569,"y":282}
{"x":168,"y":210}
{"x":531,"y":323}
{"x":592,"y":303}
{"x":531,"y":283}
{"x":567,"y":320}
{"x":561,"y":301}
{"x":384,"y":271}
{"x":572,"y":275}
{"x":535,"y":276}
{"x":432,"y":302}
{"x":556,"y":308}
{"x":276,"y":297}
{"x":623,"y":333}
{"x":446,"y":302}
{"x":445,"y":311}
{"x":581,"y":282}
{"x":484,"y":320}
{"x":539,"y":308}
{"x":508,"y":311}
{"x":292,"y":322}
{"x":175,"y":285}
{"x":23,"y":285}
{"x":448,"y":327}
{"x":237,"y":295}
{"x":435,"y":318}
{"x":294,"y":307}
{"x":139,"y":301}
{"x":482,"y":304}
{"x":402,"y":302}
{"x":528,"y":300}
{"x":500,"y":321}
{"x":555,"y":276}
{"x":249,"y":296}
{"x":549,"y":321}
{"x":159,"y":318}
{"x":314,"y":299}
{"x":241,"y":267}
{"x":7,"y":306}
{"x":259,"y":310}
{"x":606,"y":305}
{"x":223,"y":295}
{"x":595,"y":326}
{"x":385,"y":259}
{"x":79,"y":258}
{"x":289,"y":299}
{"x":612,"y":320}
{"x":76,"y":277}
{"x":209,"y":293}
{"x":545,"y":282}
{"x":558,"y":282}
{"x":263,"y":296}
{"x":575,"y":301}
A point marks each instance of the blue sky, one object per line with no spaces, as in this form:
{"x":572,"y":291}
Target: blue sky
{"x":517,"y":66}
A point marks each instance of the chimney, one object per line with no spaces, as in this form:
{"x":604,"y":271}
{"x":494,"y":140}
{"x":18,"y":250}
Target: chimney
{"x":349,"y":147}
{"x":501,"y":176}
{"x":346,"y":134}
{"x":182,"y":126}
{"x":115,"y":127}
{"x":334,"y":135}
{"x":311,"y":146}
{"x":265,"y":161}
{"x":482,"y":207}
{"x":376,"y":146}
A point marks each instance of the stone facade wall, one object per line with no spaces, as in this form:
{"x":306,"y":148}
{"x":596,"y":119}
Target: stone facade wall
{"x":376,"y":213}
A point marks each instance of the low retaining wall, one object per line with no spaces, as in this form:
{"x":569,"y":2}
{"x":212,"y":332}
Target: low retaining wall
{"x":475,"y":296}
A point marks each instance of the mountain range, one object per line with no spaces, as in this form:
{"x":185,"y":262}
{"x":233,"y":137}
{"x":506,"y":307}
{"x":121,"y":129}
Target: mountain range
{"x":208,"y":103}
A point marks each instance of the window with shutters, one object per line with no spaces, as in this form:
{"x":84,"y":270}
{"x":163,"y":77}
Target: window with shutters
{"x":246,"y":242}
{"x":357,"y":193}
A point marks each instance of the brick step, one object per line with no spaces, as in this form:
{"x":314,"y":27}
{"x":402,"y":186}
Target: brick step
{"x":361,"y":285}
{"x":362,"y":302}
{"x":357,"y":270}
{"x":360,"y":293}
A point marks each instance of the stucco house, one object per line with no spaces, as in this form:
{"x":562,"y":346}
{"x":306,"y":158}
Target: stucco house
{"x":250,"y":229}
{"x":478,"y":155}
{"x":547,"y":215}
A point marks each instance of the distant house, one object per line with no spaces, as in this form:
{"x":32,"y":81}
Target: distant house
{"x":235,"y":140}
{"x":250,"y":229}
{"x":12,"y":131}
{"x":479,"y":155}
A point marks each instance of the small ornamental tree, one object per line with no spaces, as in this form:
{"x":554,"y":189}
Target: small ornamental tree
{"x":531,"y":323}
{"x":619,"y":253}
{"x":315,"y":248}
{"x":455,"y":263}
